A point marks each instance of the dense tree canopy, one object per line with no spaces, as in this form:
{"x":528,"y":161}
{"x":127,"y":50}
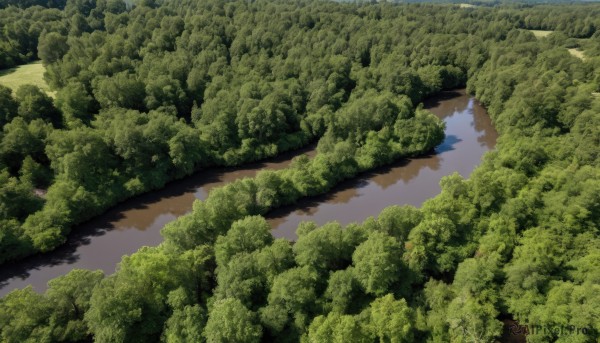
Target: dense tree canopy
{"x":159,"y":90}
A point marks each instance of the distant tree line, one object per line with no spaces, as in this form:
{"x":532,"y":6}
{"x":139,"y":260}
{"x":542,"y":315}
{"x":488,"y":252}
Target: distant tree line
{"x":60,"y":4}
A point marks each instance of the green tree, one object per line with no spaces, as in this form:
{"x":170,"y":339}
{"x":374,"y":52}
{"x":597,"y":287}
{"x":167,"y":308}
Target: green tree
{"x":21,"y":139}
{"x":242,"y":279}
{"x":230,"y":321}
{"x":34,"y":173}
{"x":24,"y":317}
{"x":274,"y":259}
{"x":343,"y":291}
{"x":472,"y":321}
{"x":137,"y":297}
{"x":398,"y":221}
{"x":120,"y":90}
{"x":327,"y":248}
{"x":8,"y":105}
{"x":16,"y":198}
{"x":187,"y":322}
{"x":392,"y":320}
{"x":246,"y":235}
{"x":76,"y":104}
{"x":428,"y":245}
{"x":338,"y":328}
{"x":52,"y":47}
{"x":83,"y":7}
{"x":70,"y":297}
{"x":74,"y":157}
{"x":35,"y":104}
{"x":291,"y":300}
{"x":378,"y":263}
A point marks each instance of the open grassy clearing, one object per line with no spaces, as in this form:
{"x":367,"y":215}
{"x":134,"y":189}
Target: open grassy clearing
{"x":544,"y":33}
{"x":32,"y":73}
{"x":467,"y":6}
{"x":540,"y":33}
{"x":577,"y":53}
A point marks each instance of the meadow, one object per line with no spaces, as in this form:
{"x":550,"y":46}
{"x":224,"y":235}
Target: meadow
{"x":32,"y":73}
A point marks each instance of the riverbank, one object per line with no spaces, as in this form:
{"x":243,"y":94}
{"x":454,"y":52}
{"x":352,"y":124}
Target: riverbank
{"x":409,"y":181}
{"x":100,"y":243}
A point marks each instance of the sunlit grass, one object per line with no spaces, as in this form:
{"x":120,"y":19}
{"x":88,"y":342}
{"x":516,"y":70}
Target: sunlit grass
{"x":577,"y":53}
{"x":32,"y":73}
{"x":543,"y":33}
{"x":540,"y":33}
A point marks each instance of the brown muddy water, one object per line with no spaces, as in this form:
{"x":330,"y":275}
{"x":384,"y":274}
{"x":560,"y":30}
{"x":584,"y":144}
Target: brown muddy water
{"x":101,"y":242}
{"x":469,"y":134}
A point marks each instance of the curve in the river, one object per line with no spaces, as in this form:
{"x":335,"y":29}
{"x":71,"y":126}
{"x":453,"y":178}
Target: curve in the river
{"x":100,"y":243}
{"x":469,"y":134}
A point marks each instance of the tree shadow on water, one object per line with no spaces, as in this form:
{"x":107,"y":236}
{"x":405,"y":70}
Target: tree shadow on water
{"x":139,"y":213}
{"x":448,"y":144}
{"x":440,"y":98}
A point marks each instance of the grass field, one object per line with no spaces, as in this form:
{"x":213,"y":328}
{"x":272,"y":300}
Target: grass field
{"x":467,"y":6}
{"x":32,"y":73}
{"x":577,"y":53}
{"x":540,"y":33}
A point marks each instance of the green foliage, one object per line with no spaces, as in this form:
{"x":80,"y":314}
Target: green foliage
{"x":137,"y":296}
{"x":378,"y":263}
{"x":76,"y":104}
{"x":16,"y":198}
{"x":121,"y":90}
{"x":52,"y":47}
{"x":24,"y":317}
{"x":230,"y":321}
{"x":392,"y":320}
{"x":398,"y":221}
{"x":70,"y":297}
{"x":56,"y":316}
{"x":172,"y":73}
{"x":472,"y":321}
{"x":161,"y":90}
{"x":185,"y":325}
{"x":8,"y":105}
{"x":35,"y":104}
{"x":22,"y":139}
{"x":339,"y":329}
{"x":291,"y":301}
{"x":328,"y":248}
{"x":343,"y":291}
{"x":22,"y":27}
{"x":246,"y":235}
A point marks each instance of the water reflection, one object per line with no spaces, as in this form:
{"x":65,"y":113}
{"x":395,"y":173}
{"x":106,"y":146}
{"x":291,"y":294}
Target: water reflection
{"x":469,"y":134}
{"x":101,"y":242}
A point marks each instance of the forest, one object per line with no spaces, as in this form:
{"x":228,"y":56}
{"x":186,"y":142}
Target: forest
{"x":150,"y":92}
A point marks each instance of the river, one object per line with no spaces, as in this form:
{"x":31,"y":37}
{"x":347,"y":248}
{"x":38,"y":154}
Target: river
{"x":101,"y":242}
{"x":469,"y":134}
